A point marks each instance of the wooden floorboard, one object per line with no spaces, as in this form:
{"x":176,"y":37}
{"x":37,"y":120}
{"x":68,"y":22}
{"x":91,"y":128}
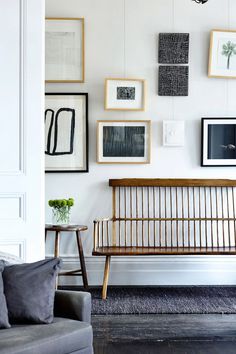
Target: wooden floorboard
{"x":165,"y":334}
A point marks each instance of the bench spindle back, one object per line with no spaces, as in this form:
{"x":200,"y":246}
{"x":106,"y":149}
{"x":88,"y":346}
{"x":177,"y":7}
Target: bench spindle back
{"x":171,"y":213}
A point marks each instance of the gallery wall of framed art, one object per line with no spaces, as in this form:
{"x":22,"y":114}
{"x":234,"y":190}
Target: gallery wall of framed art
{"x":122,"y":41}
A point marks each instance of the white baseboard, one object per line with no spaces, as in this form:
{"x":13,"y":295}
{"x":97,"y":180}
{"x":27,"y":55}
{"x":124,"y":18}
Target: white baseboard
{"x":153,"y":270}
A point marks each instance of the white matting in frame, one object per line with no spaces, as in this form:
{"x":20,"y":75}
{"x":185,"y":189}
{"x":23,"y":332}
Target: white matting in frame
{"x":64,"y":50}
{"x":125,"y":142}
{"x":222,"y":56}
{"x":66,"y":132}
{"x":125,"y":94}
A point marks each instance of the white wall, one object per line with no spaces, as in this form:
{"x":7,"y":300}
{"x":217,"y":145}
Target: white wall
{"x":21,"y":133}
{"x":121,"y":40}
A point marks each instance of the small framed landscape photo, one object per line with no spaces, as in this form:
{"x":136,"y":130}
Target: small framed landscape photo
{"x":66,"y":132}
{"x":64,"y":50}
{"x":218,"y":142}
{"x":127,"y":142}
{"x":222,"y":56}
{"x":125,"y":94}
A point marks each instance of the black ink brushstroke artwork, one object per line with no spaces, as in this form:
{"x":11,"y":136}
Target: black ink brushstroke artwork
{"x":221,"y":141}
{"x":123,"y":141}
{"x":53,"y":147}
{"x":125,"y":93}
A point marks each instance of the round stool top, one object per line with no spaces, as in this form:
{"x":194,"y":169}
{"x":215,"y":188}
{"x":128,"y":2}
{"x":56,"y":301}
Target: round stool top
{"x":71,"y":227}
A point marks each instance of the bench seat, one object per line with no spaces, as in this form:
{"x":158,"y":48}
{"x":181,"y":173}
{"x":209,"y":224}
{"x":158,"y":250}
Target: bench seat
{"x":155,"y":251}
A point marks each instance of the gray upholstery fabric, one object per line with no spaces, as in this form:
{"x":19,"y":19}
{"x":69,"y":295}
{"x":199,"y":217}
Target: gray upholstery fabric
{"x":63,"y":336}
{"x":4,"y":323}
{"x":73,"y":304}
{"x":29,"y":289}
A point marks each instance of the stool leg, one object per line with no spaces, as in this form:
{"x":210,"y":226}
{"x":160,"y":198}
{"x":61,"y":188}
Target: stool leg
{"x":56,"y":251}
{"x":82,"y":262}
{"x":106,"y":276}
{"x":45,"y":235}
{"x":57,"y":243}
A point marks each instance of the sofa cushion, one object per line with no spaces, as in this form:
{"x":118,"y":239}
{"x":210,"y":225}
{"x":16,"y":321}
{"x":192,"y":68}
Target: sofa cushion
{"x":63,"y":336}
{"x":30,"y":289}
{"x":4,"y":323}
{"x":10,"y":258}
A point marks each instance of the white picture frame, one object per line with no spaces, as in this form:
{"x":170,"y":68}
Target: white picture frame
{"x":123,"y":141}
{"x":173,"y":133}
{"x":125,"y":94}
{"x":222,"y":55}
{"x":64,"y":50}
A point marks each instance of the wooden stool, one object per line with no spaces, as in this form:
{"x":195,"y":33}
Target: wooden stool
{"x":70,"y":228}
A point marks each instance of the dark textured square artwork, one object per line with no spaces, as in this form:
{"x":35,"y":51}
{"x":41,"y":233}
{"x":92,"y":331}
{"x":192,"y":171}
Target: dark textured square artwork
{"x":173,"y":80}
{"x":173,"y":48}
{"x":125,"y":93}
{"x":123,"y":141}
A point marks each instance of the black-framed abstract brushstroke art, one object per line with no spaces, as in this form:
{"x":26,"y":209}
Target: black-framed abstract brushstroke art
{"x":66,"y":132}
{"x":123,"y":142}
{"x":218,"y":142}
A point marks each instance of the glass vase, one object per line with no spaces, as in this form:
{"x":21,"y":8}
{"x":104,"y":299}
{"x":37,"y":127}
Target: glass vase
{"x":61,"y":216}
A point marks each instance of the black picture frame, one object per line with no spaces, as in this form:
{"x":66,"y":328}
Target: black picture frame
{"x":218,"y":142}
{"x":51,"y":151}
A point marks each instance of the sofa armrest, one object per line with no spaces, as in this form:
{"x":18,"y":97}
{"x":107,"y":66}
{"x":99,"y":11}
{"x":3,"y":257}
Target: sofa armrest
{"x":75,"y":305}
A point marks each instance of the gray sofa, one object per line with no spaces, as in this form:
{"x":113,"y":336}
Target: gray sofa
{"x":70,"y":332}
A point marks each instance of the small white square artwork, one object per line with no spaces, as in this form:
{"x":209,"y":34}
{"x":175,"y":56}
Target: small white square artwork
{"x":173,"y":133}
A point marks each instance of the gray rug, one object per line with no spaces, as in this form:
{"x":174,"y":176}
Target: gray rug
{"x":153,"y":300}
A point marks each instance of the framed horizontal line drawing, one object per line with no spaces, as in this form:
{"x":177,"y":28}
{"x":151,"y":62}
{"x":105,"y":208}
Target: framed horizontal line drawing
{"x":123,"y":141}
{"x":218,"y":142}
{"x":125,"y":94}
{"x":64,"y":50}
{"x":222,"y":55}
{"x":66,"y":132}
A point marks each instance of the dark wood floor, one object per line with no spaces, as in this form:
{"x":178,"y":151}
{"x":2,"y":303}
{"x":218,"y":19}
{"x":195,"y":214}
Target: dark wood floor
{"x":165,"y":334}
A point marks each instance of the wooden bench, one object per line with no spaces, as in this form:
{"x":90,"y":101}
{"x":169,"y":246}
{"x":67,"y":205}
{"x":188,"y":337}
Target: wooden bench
{"x":167,"y":217}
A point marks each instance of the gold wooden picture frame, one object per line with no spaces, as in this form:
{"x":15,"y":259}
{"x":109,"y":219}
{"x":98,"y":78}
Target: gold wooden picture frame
{"x":125,"y":94}
{"x":64,"y":53}
{"x":222,"y":54}
{"x":123,"y":141}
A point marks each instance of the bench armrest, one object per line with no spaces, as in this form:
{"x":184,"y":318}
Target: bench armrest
{"x":75,"y":305}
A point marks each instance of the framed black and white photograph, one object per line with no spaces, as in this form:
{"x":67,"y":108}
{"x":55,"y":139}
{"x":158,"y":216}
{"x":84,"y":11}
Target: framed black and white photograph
{"x":222,"y":56}
{"x":64,"y":50}
{"x":218,"y":142}
{"x":125,"y":142}
{"x":66,"y":132}
{"x":125,"y":94}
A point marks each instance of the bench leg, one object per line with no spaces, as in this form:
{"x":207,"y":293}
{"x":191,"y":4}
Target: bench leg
{"x":106,"y":276}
